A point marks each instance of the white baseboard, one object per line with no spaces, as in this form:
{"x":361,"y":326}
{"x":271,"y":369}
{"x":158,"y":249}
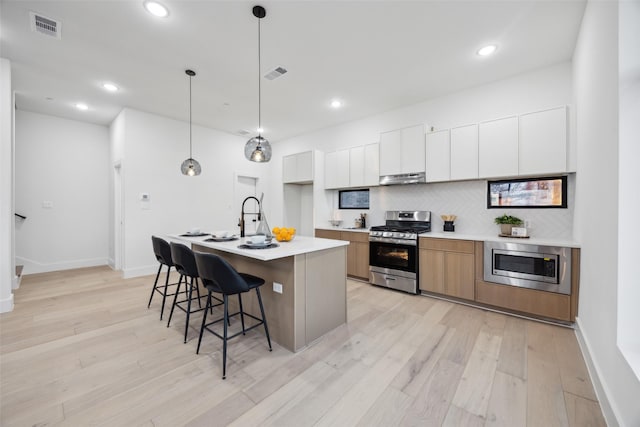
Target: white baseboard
{"x":129,"y":273}
{"x":15,"y":283}
{"x":596,"y":374}
{"x":6,"y":304}
{"x":31,"y":266}
{"x":111,"y":263}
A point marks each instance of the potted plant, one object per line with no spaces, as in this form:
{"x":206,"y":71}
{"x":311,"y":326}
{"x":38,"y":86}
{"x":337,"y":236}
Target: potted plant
{"x":507,"y":222}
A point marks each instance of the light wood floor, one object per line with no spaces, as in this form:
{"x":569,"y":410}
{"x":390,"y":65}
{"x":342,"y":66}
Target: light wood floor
{"x":81,"y":348}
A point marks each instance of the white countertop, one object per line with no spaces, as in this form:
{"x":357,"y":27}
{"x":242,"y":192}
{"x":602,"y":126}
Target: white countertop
{"x":533,"y":240}
{"x":495,"y":238}
{"x":299,"y":245}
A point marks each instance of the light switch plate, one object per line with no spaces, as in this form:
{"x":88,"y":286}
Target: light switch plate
{"x":277,"y":287}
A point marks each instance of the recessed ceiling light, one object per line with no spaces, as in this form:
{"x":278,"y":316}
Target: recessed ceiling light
{"x":336,"y":103}
{"x":110,"y":87}
{"x":156,"y":9}
{"x":82,"y":107}
{"x":487,"y":50}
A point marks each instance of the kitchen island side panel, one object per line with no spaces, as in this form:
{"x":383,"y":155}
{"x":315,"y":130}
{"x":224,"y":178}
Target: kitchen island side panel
{"x":313,"y":298}
{"x":279,"y":308}
{"x":326,"y":291}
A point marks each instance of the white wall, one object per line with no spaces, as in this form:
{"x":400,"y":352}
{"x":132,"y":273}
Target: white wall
{"x":153,"y":149}
{"x":629,"y":177}
{"x":596,"y":221}
{"x":116,"y":145}
{"x":65,"y":162}
{"x":544,"y":88}
{"x":468,"y":200}
{"x":7,"y":266}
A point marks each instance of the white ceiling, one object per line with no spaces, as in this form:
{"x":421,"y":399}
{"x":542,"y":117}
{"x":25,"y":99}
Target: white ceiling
{"x":373,"y":55}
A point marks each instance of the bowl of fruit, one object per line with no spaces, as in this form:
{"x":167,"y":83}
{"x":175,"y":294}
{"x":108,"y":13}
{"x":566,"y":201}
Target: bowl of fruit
{"x":284,"y":234}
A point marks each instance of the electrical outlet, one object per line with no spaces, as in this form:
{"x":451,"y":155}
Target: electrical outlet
{"x":277,"y":287}
{"x":47,"y":204}
{"x":527,"y":223}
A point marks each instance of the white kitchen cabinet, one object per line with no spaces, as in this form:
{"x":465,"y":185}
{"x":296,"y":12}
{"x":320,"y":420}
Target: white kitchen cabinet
{"x":336,"y":167}
{"x":438,"y":156}
{"x":297,"y":168}
{"x":543,"y":142}
{"x":402,"y":151}
{"x":356,"y":166}
{"x":371,"y":165}
{"x":498,"y":148}
{"x":464,"y":152}
{"x":413,"y":149}
{"x":390,"y":158}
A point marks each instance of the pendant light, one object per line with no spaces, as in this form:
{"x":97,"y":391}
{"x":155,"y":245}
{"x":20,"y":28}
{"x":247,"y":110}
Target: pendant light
{"x":190,"y":167}
{"x":258,"y":148}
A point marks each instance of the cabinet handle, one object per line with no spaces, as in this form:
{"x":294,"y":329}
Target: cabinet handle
{"x":389,"y":278}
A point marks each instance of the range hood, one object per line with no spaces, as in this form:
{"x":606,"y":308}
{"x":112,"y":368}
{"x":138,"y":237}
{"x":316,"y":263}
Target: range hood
{"x":405,"y":178}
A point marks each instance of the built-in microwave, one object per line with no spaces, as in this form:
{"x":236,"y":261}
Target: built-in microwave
{"x":547,"y":268}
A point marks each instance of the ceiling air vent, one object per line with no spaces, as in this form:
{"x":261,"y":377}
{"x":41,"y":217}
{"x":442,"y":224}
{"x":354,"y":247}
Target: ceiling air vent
{"x":43,"y":25}
{"x":274,"y":74}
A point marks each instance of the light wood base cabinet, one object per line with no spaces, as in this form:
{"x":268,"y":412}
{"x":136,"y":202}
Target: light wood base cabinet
{"x":529,"y":301}
{"x":447,"y":267}
{"x":357,"y":251}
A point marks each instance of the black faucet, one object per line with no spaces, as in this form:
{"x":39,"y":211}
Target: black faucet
{"x":243,"y":213}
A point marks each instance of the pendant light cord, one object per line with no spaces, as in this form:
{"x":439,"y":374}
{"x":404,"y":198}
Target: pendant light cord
{"x":190,"y":151}
{"x":259,"y":84}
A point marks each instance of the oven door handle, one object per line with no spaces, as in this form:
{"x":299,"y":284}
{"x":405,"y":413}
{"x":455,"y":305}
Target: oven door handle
{"x":389,"y":278}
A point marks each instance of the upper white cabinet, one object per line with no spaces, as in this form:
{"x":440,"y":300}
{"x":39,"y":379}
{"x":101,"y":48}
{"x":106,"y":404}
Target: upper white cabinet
{"x":390,"y":157}
{"x":371,"y":165}
{"x":498,"y":148}
{"x":438,"y":156}
{"x":413,"y":149}
{"x":402,"y":151}
{"x":354,"y":167}
{"x":336,"y":167}
{"x":464,"y":152}
{"x":297,"y":168}
{"x":543,"y":142}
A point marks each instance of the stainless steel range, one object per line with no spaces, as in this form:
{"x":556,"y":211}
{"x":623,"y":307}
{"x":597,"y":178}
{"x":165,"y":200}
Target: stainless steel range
{"x":393,"y":249}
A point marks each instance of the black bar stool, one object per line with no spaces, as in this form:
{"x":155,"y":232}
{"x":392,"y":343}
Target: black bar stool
{"x":162,"y":251}
{"x":220,"y":277}
{"x":185,"y":264}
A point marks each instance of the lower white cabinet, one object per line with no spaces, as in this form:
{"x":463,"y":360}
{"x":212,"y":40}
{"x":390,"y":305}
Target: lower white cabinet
{"x":464,"y":152}
{"x":498,"y":148}
{"x":438,"y":156}
{"x":297,"y":168}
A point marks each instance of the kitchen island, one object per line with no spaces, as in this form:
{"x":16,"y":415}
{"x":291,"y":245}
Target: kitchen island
{"x":312,"y":274}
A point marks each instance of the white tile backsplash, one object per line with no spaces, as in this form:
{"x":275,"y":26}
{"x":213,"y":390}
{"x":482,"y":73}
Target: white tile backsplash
{"x":467,"y":200}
